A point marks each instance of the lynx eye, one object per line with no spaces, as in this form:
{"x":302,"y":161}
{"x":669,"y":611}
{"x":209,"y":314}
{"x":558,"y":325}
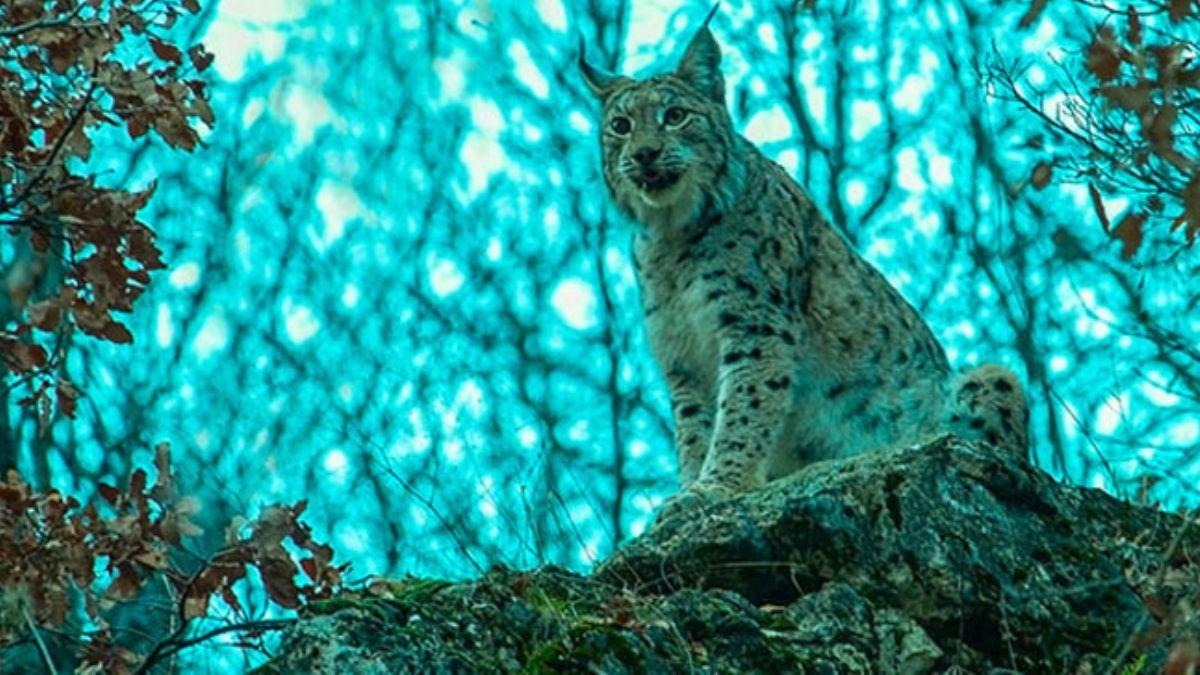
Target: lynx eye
{"x":620,"y":125}
{"x":674,"y":116}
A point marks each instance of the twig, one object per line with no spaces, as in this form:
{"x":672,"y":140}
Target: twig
{"x":176,"y":647}
{"x":37,"y":637}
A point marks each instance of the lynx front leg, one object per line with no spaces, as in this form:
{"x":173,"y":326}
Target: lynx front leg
{"x":754,"y":392}
{"x":693,"y":410}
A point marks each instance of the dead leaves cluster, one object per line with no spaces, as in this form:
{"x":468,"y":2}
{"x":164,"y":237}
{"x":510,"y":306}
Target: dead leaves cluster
{"x":57,"y":556}
{"x":67,"y":68}
{"x":1151,"y":83}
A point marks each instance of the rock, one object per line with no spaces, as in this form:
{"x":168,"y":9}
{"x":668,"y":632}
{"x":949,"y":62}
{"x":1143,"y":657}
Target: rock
{"x":946,"y":556}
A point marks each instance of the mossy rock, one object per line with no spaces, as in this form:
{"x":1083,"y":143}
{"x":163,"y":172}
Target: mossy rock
{"x":908,"y":561}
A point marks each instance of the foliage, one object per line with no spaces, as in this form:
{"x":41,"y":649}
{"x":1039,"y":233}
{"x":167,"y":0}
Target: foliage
{"x":1128,"y":125}
{"x":67,"y":568}
{"x":67,"y":68}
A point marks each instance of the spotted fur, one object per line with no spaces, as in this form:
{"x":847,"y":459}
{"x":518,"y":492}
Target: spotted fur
{"x":780,"y":345}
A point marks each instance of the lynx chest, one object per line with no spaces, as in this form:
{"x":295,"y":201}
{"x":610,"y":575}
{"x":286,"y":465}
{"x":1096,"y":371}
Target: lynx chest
{"x":680,"y":295}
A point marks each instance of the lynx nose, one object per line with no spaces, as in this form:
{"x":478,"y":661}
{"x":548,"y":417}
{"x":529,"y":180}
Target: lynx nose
{"x":645,"y":156}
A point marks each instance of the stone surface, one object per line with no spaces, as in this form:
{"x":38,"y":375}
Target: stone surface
{"x":946,"y":556}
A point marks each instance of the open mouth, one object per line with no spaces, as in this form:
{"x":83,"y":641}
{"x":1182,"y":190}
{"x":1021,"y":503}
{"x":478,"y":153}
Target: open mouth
{"x":653,"y":180}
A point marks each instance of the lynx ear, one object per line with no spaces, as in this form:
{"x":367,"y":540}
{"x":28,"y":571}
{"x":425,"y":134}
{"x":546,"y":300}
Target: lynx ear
{"x":598,"y":80}
{"x":701,"y":63}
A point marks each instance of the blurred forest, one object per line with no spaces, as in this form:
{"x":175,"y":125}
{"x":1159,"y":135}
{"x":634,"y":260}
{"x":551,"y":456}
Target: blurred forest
{"x":394,"y":287}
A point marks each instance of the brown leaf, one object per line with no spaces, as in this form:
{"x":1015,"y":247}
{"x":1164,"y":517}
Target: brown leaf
{"x":1159,"y":130}
{"x":1040,"y":177}
{"x":66,"y":394}
{"x":201,"y":58}
{"x":1191,"y":210}
{"x":192,"y":6}
{"x":137,"y":482}
{"x":1135,"y":27}
{"x":1103,"y":55}
{"x":116,"y":332}
{"x":1178,"y":10}
{"x":1132,"y":97}
{"x":162,"y":466}
{"x":1031,"y":14}
{"x":110,"y":494}
{"x":1129,"y":232}
{"x":46,"y":314}
{"x":278,"y":576}
{"x":166,"y":51}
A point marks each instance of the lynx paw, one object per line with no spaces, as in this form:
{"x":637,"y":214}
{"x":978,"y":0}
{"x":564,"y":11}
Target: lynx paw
{"x":693,"y":499}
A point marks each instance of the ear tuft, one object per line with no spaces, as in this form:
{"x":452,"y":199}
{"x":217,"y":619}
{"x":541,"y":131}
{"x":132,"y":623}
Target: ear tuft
{"x":598,"y":80}
{"x":701,"y":63}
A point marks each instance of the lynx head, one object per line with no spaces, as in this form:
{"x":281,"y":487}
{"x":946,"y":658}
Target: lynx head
{"x":667,"y":142}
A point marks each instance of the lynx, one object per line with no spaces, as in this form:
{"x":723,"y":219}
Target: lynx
{"x":780,"y":345}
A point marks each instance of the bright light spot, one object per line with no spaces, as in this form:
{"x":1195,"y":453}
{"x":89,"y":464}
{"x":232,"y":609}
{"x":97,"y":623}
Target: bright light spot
{"x":307,"y":110}
{"x":1185,"y":432}
{"x":638,"y":448}
{"x":243,"y":28}
{"x":486,"y":117}
{"x":578,"y":432}
{"x":353,"y":538}
{"x":212,"y":337}
{"x":350,"y":296}
{"x":575,"y":302}
{"x":1058,"y":364}
{"x":910,"y":96}
{"x":553,"y":14}
{"x":185,"y":275}
{"x":338,"y":204}
{"x":856,"y":192}
{"x":164,"y":331}
{"x":909,"y":165}
{"x":253,"y":110}
{"x":494,"y":249}
{"x":864,"y":116}
{"x":470,"y":397}
{"x":790,"y":160}
{"x":881,"y":248}
{"x":551,"y":221}
{"x":1156,"y":390}
{"x":766,"y":34}
{"x":444,"y":276}
{"x":579,"y":122}
{"x":964,"y":328}
{"x":940,"y":169}
{"x":452,"y":450}
{"x":527,"y":437}
{"x":527,"y":72}
{"x":1108,"y":418}
{"x":483,"y":157}
{"x":337,"y":464}
{"x":299,"y":322}
{"x":769,"y":125}
{"x":451,"y":79}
